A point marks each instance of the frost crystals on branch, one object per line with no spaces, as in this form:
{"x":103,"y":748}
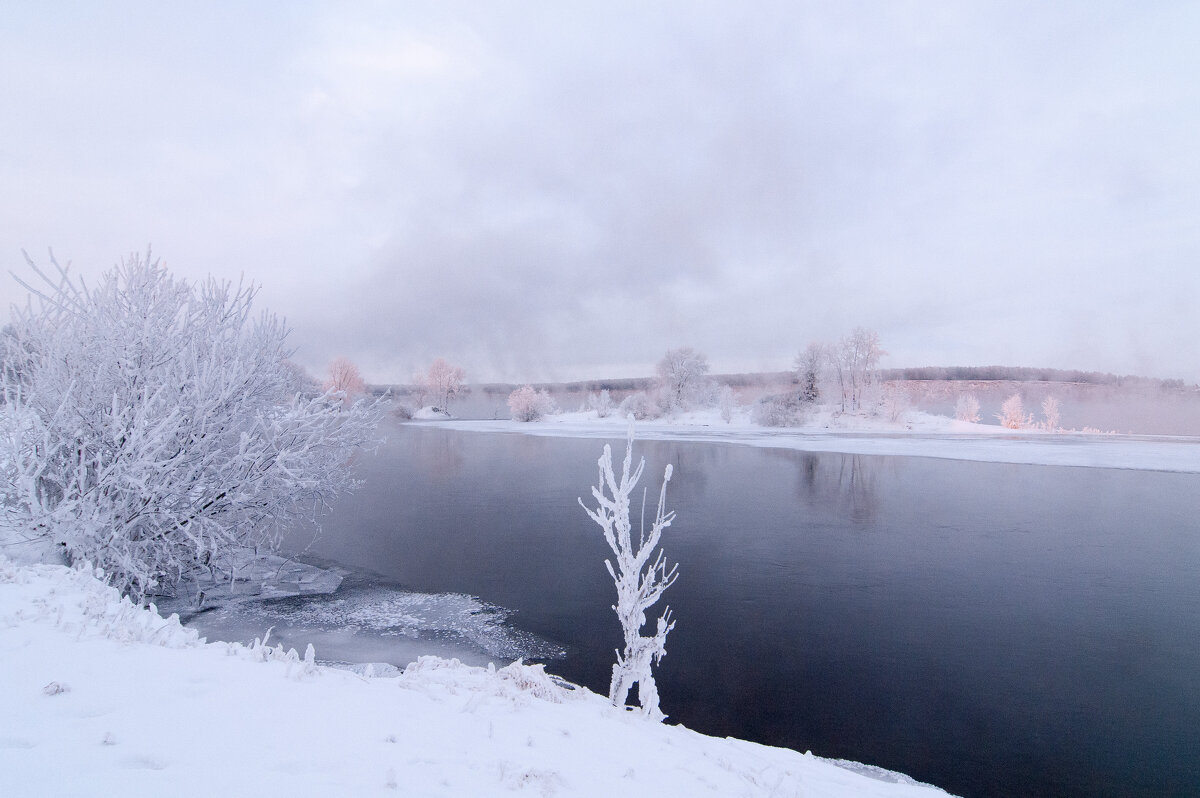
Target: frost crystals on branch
{"x":640,"y":574}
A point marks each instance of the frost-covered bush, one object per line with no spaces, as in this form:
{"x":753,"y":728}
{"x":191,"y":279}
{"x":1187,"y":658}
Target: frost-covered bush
{"x":967,"y":408}
{"x":639,"y":405}
{"x":601,"y":403}
{"x":1012,"y":413}
{"x":155,"y":427}
{"x":641,"y":575}
{"x":527,"y":404}
{"x":781,"y":410}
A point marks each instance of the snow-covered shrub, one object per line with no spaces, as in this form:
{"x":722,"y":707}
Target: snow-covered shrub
{"x":601,"y":403}
{"x":967,"y":408}
{"x":639,"y":405}
{"x":1052,"y":422}
{"x":781,"y":410}
{"x":639,"y":579}
{"x":1012,"y":413}
{"x":157,"y":426}
{"x":527,"y":404}
{"x":727,"y":402}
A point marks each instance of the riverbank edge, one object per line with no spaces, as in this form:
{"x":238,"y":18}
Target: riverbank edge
{"x":928,"y":437}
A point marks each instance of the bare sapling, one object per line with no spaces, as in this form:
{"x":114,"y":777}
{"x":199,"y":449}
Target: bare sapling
{"x":641,"y":575}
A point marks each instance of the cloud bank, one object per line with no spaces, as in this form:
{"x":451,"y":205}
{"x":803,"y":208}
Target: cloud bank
{"x":555,"y":191}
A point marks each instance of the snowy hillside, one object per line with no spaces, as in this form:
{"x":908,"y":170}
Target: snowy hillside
{"x":104,"y":698}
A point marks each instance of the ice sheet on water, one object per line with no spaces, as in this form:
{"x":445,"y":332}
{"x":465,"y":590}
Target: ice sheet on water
{"x":447,"y":617}
{"x":877,"y":773}
{"x":374,"y":623}
{"x":248,"y":576}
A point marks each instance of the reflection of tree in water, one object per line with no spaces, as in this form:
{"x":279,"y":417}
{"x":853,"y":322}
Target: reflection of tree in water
{"x":439,"y":453}
{"x":845,"y":483}
{"x":692,"y":463}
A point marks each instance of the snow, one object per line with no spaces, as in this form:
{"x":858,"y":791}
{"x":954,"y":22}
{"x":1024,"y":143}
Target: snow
{"x":429,"y":412}
{"x":105,"y":698}
{"x":915,"y":435}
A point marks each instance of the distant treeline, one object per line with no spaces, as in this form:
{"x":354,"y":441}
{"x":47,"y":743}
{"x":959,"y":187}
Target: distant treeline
{"x":1017,"y":374}
{"x":631,"y":384}
{"x":949,"y":373}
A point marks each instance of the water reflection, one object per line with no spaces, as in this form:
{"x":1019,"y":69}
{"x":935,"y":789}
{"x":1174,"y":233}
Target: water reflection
{"x":843,"y":483}
{"x":440,"y":455}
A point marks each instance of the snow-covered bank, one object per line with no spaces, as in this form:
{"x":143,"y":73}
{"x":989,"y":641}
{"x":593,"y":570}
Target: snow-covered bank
{"x":921,"y":435}
{"x":103,"y":698}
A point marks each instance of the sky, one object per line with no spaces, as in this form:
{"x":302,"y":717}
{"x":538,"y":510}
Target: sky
{"x":554,"y":191}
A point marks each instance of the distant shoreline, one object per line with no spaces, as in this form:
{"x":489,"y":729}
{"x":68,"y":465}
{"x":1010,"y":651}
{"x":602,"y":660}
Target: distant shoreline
{"x":928,"y":436}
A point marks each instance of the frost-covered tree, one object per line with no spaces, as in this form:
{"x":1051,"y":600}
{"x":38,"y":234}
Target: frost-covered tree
{"x":442,"y":383}
{"x":154,"y":427}
{"x":1012,"y":413}
{"x":641,"y":575}
{"x":967,"y":408}
{"x":345,"y":380}
{"x":527,"y":404}
{"x":681,"y":378}
{"x":808,"y":371}
{"x":1052,"y":421}
{"x":855,"y":361}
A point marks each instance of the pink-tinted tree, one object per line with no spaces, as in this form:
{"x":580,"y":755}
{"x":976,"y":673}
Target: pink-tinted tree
{"x":1012,"y":413}
{"x":345,"y":380}
{"x":442,"y":383}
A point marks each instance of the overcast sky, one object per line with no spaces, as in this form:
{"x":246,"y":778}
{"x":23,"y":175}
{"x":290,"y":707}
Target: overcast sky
{"x":565,"y":190}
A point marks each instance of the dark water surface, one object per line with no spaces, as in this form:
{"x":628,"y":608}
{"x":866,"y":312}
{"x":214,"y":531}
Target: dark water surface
{"x":992,"y":629}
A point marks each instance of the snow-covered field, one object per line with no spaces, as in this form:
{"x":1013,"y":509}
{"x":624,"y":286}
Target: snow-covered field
{"x":104,"y":698}
{"x":915,"y":434}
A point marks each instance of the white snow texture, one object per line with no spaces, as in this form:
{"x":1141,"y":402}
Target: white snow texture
{"x":104,"y":698}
